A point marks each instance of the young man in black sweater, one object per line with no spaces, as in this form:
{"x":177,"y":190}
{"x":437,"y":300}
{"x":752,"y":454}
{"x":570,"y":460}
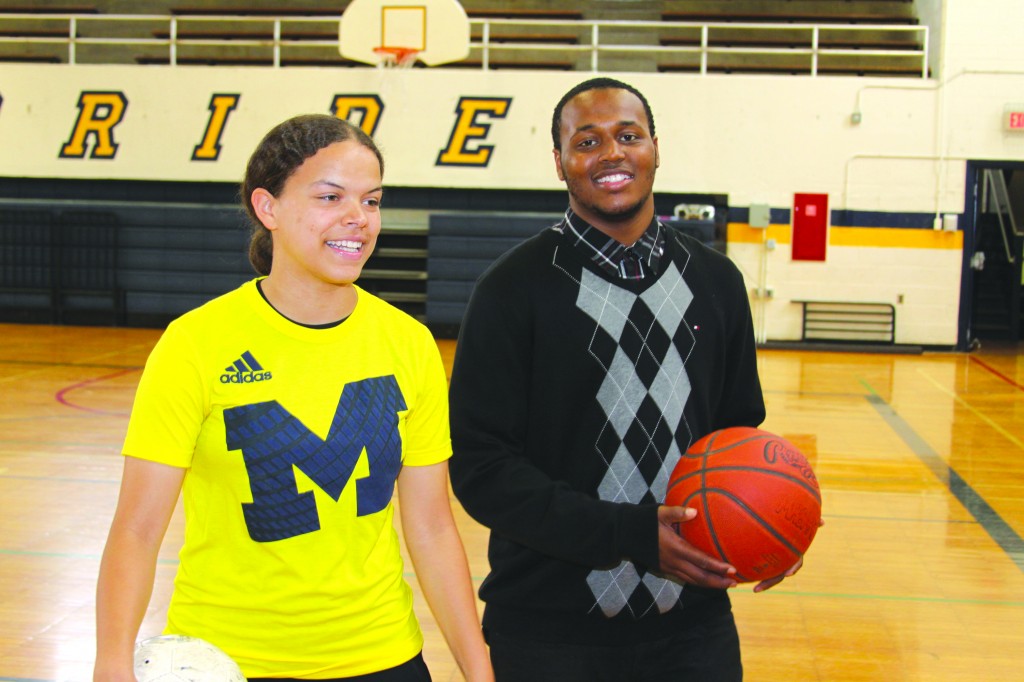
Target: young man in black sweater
{"x":590,"y":358}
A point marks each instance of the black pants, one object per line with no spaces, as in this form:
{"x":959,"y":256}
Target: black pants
{"x":709,"y":652}
{"x":414,"y":670}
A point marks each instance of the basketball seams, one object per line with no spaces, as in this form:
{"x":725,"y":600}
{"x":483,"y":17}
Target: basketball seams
{"x":752,"y":515}
{"x":703,"y":473}
{"x":711,"y":450}
{"x":709,"y":525}
{"x":703,"y":495}
{"x":761,"y":521}
{"x":705,"y":517}
{"x":705,"y":506}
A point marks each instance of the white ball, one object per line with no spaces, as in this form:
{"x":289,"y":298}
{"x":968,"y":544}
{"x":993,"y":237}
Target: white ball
{"x":176,"y":658}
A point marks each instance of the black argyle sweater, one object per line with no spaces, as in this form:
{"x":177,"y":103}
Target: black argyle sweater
{"x":573,"y":394}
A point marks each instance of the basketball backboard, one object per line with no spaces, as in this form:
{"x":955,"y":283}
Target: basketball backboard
{"x":437,"y":29}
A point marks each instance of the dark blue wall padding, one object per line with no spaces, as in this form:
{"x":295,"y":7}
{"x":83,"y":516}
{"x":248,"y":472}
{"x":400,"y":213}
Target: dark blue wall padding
{"x":460,"y":246}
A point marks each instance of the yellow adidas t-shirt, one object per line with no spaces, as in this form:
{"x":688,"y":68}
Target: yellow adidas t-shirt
{"x":293,"y":438}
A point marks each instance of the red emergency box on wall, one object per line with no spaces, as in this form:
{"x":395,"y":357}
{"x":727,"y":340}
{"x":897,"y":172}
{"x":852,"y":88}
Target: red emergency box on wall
{"x":810,"y":226}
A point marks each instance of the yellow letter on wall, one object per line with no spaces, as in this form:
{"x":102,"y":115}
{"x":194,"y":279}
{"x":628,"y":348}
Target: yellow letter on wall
{"x":467,"y":128}
{"x":368,"y":107}
{"x":220,"y":107}
{"x":98,"y":113}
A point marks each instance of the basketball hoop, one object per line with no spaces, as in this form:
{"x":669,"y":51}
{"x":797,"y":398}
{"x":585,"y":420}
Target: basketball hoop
{"x":396,"y":57}
{"x":397,"y":34}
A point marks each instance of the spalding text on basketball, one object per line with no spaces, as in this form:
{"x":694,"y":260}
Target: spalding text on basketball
{"x":776,"y":450}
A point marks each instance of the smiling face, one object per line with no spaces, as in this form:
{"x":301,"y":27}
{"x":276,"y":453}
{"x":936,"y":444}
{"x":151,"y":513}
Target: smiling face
{"x":608,"y":160}
{"x":326,"y":219}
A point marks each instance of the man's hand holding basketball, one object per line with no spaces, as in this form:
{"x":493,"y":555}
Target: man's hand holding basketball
{"x":681,"y":560}
{"x":772,"y":582}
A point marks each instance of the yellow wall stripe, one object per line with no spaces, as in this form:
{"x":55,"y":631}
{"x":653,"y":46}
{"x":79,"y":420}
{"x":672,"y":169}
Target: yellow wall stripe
{"x":887,"y":237}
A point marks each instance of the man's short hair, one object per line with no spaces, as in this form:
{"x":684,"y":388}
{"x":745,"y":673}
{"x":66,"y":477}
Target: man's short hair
{"x":599,"y":83}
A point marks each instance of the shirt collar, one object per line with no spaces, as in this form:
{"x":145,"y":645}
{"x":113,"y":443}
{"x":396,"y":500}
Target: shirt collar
{"x":619,"y":260}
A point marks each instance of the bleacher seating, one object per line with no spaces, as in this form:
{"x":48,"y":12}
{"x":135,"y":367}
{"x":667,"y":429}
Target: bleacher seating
{"x":26,"y":266}
{"x":44,"y":35}
{"x":746,"y":36}
{"x":60,"y":267}
{"x":48,"y":9}
{"x":853,"y":26}
{"x":792,"y":11}
{"x":118,"y":264}
{"x":253,"y":33}
{"x":528,"y":14}
{"x":283,"y":10}
{"x":460,"y":247}
{"x":498,"y":64}
{"x":505,"y":41}
{"x":87,"y":287}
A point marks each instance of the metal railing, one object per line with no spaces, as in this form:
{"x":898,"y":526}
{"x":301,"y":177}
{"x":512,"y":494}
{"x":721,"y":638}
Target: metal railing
{"x":996,"y":199}
{"x":704,"y":46}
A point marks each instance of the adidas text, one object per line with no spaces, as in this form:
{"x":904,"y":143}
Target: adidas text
{"x":244,"y":377}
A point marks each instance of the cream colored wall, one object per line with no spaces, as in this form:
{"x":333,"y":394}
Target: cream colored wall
{"x":916,"y":271}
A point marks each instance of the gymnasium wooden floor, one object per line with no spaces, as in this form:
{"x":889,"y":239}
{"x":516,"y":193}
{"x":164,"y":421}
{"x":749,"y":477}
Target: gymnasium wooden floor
{"x":918,"y":573}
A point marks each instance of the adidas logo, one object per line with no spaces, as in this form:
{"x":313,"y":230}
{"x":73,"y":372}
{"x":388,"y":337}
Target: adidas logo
{"x":244,"y":370}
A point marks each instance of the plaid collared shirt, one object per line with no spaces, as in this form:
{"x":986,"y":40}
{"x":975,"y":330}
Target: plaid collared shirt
{"x":615,"y":258}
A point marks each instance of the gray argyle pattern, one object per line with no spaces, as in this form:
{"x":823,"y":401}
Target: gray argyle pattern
{"x":642,"y":342}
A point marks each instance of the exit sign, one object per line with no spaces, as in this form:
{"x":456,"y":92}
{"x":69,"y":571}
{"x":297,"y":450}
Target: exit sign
{"x":1013,"y":117}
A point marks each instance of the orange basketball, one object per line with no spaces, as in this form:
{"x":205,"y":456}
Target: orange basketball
{"x":757,"y":499}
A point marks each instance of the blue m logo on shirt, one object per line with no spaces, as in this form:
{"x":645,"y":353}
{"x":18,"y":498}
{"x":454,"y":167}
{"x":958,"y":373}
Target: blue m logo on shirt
{"x":272,"y":440}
